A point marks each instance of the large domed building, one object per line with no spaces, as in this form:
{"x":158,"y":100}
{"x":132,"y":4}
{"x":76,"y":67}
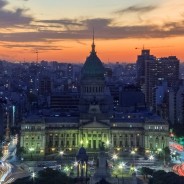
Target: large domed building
{"x":93,"y":88}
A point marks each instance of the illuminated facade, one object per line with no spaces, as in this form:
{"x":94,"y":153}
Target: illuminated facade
{"x":55,"y":134}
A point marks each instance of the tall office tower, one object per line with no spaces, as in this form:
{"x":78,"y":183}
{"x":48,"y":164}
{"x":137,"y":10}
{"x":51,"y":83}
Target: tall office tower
{"x":176,"y":104}
{"x":45,"y":85}
{"x":1,"y":121}
{"x":70,"y":71}
{"x":141,"y":63}
{"x":161,"y":69}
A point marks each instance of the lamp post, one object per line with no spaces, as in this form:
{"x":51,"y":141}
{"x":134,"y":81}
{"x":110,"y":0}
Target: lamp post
{"x":151,"y":157}
{"x":33,"y":175}
{"x":114,"y":157}
{"x":159,"y":152}
{"x":133,"y":154}
{"x":121,"y":166}
{"x":61,"y":153}
{"x":31,"y":151}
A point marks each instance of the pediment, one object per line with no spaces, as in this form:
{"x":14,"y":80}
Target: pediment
{"x":95,"y":124}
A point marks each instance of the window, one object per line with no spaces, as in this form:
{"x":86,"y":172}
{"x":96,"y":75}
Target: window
{"x":114,"y":143}
{"x":73,"y":143}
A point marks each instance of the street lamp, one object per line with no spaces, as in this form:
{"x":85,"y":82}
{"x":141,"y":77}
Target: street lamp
{"x":151,"y":157}
{"x":133,"y":153}
{"x":75,"y":164}
{"x":31,"y":151}
{"x":107,"y":142}
{"x":114,"y":156}
{"x":121,"y":166}
{"x":61,"y":153}
{"x":33,"y":175}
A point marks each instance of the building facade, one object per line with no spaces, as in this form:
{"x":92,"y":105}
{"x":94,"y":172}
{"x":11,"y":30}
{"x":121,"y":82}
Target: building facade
{"x":51,"y":135}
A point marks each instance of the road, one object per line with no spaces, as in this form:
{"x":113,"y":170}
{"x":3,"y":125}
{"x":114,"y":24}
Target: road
{"x":177,"y":148}
{"x":9,"y":172}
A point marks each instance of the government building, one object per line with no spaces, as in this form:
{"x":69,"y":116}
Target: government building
{"x":96,"y":123}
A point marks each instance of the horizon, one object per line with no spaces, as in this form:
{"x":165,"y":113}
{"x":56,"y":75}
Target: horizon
{"x":62,"y":31}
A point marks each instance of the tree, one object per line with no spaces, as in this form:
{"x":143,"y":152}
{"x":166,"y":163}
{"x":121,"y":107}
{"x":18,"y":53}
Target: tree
{"x":167,"y":154}
{"x":147,"y":171}
{"x":47,"y":176}
{"x":158,"y":177}
{"x":178,"y":130}
{"x":20,"y":151}
{"x":103,"y":181}
{"x":161,"y":177}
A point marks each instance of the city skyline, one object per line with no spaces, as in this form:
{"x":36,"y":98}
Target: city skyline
{"x":63,"y":30}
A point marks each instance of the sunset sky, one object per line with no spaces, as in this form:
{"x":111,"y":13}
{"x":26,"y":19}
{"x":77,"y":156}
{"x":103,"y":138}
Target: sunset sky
{"x":62,"y":29}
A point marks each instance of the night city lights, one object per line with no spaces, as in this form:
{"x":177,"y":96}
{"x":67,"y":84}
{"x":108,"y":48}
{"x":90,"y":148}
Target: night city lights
{"x":91,"y":92}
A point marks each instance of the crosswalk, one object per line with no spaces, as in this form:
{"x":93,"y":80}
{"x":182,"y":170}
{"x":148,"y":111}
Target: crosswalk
{"x":9,"y":181}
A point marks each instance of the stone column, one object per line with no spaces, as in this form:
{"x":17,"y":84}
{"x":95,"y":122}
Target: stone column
{"x":146,"y":141}
{"x":65,"y":140}
{"x":53,"y":142}
{"x":59,"y":139}
{"x":135,"y":139}
{"x":91,"y":140}
{"x":129,"y":140}
{"x":112,"y":138}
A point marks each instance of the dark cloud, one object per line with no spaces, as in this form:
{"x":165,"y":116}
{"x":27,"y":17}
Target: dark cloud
{"x":33,"y":46}
{"x":3,"y":3}
{"x":9,"y":19}
{"x":65,"y":22}
{"x":136,"y":9}
{"x":104,"y":29}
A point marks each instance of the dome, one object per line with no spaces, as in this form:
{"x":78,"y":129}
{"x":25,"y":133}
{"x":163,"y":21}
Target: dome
{"x":93,"y":67}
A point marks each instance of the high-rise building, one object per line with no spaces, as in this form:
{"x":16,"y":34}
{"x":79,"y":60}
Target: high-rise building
{"x":161,"y":69}
{"x":176,"y":104}
{"x":70,"y":71}
{"x":141,"y":64}
{"x":45,"y":85}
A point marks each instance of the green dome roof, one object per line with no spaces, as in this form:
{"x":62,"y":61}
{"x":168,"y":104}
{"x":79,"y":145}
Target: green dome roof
{"x":93,"y":67}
